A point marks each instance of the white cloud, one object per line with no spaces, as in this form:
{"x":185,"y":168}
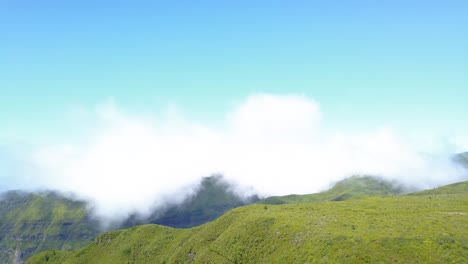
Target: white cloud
{"x":273,"y":143}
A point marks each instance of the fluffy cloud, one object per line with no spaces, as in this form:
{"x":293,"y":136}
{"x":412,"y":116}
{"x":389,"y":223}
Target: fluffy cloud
{"x":273,"y":143}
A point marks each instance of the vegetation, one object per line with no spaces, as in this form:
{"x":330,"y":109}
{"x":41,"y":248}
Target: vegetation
{"x":31,"y":223}
{"x":455,"y":188}
{"x":423,"y":228}
{"x":213,"y":198}
{"x":350,"y":188}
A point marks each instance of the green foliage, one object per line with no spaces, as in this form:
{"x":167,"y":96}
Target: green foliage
{"x":31,"y":223}
{"x":393,"y":229}
{"x":350,"y":188}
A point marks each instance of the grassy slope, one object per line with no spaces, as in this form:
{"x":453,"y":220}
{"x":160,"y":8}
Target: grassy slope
{"x":404,"y":229}
{"x":459,"y":187}
{"x":350,"y":188}
{"x":30,"y":223}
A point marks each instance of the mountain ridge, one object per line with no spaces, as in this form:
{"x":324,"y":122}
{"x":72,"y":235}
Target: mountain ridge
{"x":33,"y":222}
{"x":354,"y":187}
{"x":214,"y":198}
{"x":401,"y":229}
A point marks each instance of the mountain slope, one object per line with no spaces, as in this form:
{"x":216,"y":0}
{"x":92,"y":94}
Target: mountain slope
{"x":213,"y":198}
{"x":349,"y":188}
{"x":401,"y":229}
{"x":462,"y":158}
{"x":30,"y":223}
{"x":455,"y":188}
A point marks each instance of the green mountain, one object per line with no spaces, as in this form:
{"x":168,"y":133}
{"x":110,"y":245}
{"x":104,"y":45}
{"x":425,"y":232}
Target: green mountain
{"x":424,"y":228}
{"x":462,"y":158}
{"x":349,"y":188}
{"x":455,"y":188}
{"x":31,"y":223}
{"x":214,"y":197}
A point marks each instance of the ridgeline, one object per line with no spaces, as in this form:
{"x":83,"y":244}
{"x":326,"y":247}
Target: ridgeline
{"x":422,"y":228}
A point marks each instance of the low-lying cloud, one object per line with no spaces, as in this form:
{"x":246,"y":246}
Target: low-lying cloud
{"x":273,"y":143}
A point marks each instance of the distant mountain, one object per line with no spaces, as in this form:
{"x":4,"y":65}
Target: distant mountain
{"x":214,"y":197}
{"x":349,"y":188}
{"x":31,"y":223}
{"x":392,"y":229}
{"x":462,"y":158}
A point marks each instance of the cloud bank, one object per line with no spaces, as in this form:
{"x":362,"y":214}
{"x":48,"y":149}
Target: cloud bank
{"x":273,"y":143}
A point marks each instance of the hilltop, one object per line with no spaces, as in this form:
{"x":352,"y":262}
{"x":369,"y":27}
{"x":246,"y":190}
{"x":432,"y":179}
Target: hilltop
{"x":454,"y":188}
{"x":399,"y":229}
{"x":349,"y":188}
{"x":359,"y":186}
{"x":213,"y":198}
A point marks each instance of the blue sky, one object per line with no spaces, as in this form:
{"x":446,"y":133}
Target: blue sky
{"x":367,"y":63}
{"x":280,"y":96}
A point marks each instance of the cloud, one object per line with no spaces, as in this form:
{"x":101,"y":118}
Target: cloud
{"x":273,"y":143}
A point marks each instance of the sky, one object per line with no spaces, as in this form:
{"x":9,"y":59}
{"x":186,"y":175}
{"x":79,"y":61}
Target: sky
{"x":83,"y":80}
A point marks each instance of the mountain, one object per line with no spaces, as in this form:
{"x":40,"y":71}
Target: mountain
{"x":349,"y":188}
{"x":31,"y":223}
{"x":214,"y":197}
{"x":392,"y":229}
{"x":462,"y":158}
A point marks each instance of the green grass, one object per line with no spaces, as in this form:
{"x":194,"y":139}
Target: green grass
{"x":30,"y":223}
{"x":424,"y":228}
{"x":455,"y":188}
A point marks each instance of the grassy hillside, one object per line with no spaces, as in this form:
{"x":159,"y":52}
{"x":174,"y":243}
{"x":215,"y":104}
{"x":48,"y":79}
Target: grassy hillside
{"x":455,"y":188}
{"x":349,"y":188}
{"x":402,"y":229}
{"x":31,"y":223}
